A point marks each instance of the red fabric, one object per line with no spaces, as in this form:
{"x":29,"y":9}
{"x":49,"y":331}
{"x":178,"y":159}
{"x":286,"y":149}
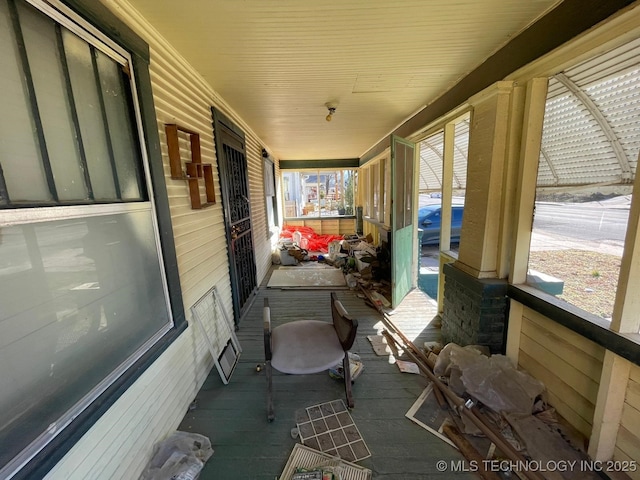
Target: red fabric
{"x":316,"y":242}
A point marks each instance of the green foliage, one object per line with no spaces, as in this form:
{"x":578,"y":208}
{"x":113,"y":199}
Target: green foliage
{"x":348,"y":193}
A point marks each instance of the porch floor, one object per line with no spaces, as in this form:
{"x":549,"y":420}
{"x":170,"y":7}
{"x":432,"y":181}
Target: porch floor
{"x":247,"y":446}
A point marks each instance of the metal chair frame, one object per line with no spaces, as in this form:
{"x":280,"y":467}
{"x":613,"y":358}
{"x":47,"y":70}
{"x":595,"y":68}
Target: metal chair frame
{"x":345,"y":329}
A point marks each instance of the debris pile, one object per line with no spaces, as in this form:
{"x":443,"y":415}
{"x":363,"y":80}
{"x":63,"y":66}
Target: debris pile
{"x":494,"y":413}
{"x":364,"y":265}
{"x":306,"y":238}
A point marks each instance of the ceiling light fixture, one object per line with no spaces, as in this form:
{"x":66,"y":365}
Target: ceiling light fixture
{"x":331,"y":106}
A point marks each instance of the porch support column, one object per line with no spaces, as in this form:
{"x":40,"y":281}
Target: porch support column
{"x":488,"y":135}
{"x":518,"y":228}
{"x":475,"y":302}
{"x":609,"y":406}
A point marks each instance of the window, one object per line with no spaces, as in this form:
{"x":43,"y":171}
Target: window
{"x":318,"y":193}
{"x":270,"y":195}
{"x":588,"y":161}
{"x":366,"y":194}
{"x":443,"y":166}
{"x":377,"y":191}
{"x":82,"y":285}
{"x":431,"y":162}
{"x":376,"y":204}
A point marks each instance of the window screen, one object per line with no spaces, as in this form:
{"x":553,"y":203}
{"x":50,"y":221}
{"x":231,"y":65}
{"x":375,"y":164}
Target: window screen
{"x":68,"y":130}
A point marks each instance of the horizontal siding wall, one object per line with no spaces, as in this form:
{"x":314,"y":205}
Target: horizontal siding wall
{"x":568,"y":364}
{"x":628,"y":441}
{"x":120,"y":444}
{"x":371,"y":229}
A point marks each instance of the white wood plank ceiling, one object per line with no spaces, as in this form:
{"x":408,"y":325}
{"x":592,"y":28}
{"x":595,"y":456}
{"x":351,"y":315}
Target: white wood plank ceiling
{"x":277,"y":63}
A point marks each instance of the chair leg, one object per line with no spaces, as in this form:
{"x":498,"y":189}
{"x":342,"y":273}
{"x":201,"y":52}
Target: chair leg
{"x":269,"y":373}
{"x":346,"y":367}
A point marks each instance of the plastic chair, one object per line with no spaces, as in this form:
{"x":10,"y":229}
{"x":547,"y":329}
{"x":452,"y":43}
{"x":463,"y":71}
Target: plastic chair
{"x":308,"y":346}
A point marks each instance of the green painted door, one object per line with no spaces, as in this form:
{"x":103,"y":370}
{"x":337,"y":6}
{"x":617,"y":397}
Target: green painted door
{"x":403,"y":230}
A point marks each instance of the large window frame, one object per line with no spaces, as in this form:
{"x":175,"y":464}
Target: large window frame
{"x":553,"y":99}
{"x":270,"y":198}
{"x":620,"y":335}
{"x":319,"y":193}
{"x":132,"y":54}
{"x":376,"y":191}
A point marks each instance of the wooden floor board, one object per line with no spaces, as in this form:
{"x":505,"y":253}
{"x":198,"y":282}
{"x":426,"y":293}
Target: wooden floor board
{"x":247,"y":446}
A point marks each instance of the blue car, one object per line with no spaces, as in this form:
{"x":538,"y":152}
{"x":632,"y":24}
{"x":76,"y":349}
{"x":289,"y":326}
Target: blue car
{"x":429,"y":220}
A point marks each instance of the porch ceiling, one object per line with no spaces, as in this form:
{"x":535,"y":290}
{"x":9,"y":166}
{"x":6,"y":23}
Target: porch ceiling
{"x":277,"y":63}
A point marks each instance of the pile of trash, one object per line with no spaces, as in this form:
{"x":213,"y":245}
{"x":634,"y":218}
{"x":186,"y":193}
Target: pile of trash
{"x":306,"y":238}
{"x":492,"y":380}
{"x":496,"y":414}
{"x":495,"y":400}
{"x":364,"y":265}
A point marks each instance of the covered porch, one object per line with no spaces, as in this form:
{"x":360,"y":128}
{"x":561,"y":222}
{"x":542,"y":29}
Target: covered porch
{"x":103,"y":254}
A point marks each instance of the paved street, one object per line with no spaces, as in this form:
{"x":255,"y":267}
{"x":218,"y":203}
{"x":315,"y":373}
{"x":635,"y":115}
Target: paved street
{"x":597,"y":226}
{"x":592,"y":221}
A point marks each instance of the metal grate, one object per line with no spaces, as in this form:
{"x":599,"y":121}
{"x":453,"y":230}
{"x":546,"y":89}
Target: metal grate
{"x":590,"y":134}
{"x":328,"y":427}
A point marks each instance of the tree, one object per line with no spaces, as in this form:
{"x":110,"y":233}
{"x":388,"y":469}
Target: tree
{"x":348,"y":193}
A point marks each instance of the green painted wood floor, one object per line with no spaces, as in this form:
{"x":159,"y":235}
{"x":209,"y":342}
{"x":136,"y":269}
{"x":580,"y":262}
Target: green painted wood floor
{"x":247,"y":446}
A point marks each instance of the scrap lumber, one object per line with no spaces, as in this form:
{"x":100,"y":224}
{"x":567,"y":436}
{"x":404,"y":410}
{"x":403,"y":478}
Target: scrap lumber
{"x":472,"y":414}
{"x":432,"y":357}
{"x":440,"y":399}
{"x":469,"y":452}
{"x":409,"y":344}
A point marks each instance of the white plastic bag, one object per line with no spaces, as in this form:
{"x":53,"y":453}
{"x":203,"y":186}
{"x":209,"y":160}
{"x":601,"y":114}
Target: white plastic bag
{"x":334,"y":249}
{"x":181,"y":456}
{"x":496,"y":383}
{"x":454,"y":353}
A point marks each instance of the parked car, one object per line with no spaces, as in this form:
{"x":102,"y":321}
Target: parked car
{"x":429,"y":220}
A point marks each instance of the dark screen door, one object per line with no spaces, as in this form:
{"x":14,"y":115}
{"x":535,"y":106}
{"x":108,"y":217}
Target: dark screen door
{"x":234,"y":189}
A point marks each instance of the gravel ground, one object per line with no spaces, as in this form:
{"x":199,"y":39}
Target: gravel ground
{"x":590,"y":278}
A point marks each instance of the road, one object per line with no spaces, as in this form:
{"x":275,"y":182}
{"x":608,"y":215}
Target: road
{"x":598,"y":226}
{"x":593,"y":221}
{"x":583,"y":221}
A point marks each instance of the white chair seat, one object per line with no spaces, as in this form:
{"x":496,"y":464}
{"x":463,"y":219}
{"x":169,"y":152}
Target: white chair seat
{"x":308,"y":346}
{"x":305,"y":346}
